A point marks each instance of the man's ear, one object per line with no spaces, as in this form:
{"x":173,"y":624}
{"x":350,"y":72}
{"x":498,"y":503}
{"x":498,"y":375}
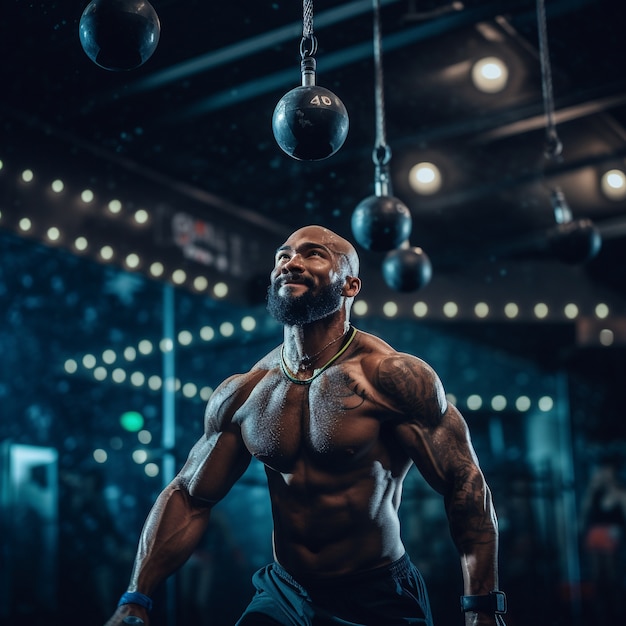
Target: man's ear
{"x":351,"y":287}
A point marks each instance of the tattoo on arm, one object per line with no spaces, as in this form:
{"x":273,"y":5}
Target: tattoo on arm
{"x":414,"y":387}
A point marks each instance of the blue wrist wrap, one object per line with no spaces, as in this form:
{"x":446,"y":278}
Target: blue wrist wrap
{"x":134,"y":597}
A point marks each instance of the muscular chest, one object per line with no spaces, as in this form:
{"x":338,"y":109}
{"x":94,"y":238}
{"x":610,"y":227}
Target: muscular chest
{"x":329,"y":420}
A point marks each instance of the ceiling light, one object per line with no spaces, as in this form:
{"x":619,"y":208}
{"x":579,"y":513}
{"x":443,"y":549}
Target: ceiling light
{"x":25,"y":224}
{"x":53,"y":233}
{"x":179,"y":277}
{"x":156,"y":269}
{"x":420,"y":309}
{"x":81,"y":243}
{"x":490,"y":75}
{"x":613,"y":184}
{"x":450,"y":309}
{"x":425,"y":178}
{"x":220,"y":290}
{"x":390,"y":309}
{"x":511,"y":310}
{"x":141,"y":216}
{"x":200,"y":283}
{"x":115,"y":206}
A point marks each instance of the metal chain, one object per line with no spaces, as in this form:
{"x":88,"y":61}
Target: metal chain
{"x":382,"y":152}
{"x":307,"y":18}
{"x":554,"y":146}
{"x":308,"y":45}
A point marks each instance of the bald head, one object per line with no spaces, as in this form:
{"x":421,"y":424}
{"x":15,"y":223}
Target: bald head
{"x":345,"y":251}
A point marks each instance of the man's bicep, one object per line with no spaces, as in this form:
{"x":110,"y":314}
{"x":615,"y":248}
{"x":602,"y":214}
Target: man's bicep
{"x":442,"y":452}
{"x":219,"y":457}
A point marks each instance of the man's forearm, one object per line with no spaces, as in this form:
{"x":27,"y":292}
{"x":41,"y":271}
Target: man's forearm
{"x":474,"y":530}
{"x":170,"y":534}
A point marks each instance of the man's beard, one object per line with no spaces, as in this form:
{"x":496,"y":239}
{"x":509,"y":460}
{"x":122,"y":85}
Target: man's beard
{"x":309,"y":307}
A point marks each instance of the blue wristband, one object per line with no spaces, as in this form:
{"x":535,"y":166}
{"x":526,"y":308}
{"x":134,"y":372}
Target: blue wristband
{"x":134,"y":597}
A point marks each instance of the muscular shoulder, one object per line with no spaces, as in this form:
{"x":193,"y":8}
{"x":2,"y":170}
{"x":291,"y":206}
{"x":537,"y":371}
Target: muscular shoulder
{"x":233,"y":392}
{"x":412,"y":386}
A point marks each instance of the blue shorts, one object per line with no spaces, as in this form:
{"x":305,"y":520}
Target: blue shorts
{"x":394,"y":595}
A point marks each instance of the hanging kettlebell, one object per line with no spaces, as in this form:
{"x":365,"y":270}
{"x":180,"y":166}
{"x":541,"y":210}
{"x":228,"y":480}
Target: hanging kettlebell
{"x":310,"y":123}
{"x":119,"y":35}
{"x":407,"y":269}
{"x":381,"y":222}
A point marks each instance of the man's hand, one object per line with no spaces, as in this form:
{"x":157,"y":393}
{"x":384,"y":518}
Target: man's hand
{"x":128,"y":615}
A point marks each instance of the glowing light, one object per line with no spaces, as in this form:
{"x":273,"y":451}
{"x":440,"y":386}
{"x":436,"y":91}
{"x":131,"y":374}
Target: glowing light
{"x":57,"y":186}
{"x":602,"y":311}
{"x":100,"y":373}
{"x":185,"y":337}
{"x":155,"y":383}
{"x":130,"y":354}
{"x":144,"y":436}
{"x":189,"y":390}
{"x":118,"y":375}
{"x":53,"y":233}
{"x":522,"y":403}
{"x":141,"y":216}
{"x":420,"y":309}
{"x":87,"y":196}
{"x":200,"y":283}
{"x":390,"y":309}
{"x":607,"y":337}
{"x":490,"y":75}
{"x":89,"y":361}
{"x":179,"y":277}
{"x":450,"y":309}
{"x":100,"y":455}
{"x":481,"y":309}
{"x":70,"y":366}
{"x":137,"y":379}
{"x":226,"y":329}
{"x":81,"y":243}
{"x":613,"y":184}
{"x":511,"y":310}
{"x":220,"y":290}
{"x":206,"y":393}
{"x":28,"y":176}
{"x":425,"y":178}
{"x":132,"y":421}
{"x":166,"y":345}
{"x":498,"y":403}
{"x":114,"y":206}
{"x":25,"y":224}
{"x":145,"y":346}
{"x":106,"y":253}
{"x":157,"y":269}
{"x":474,"y":402}
{"x":248,"y":323}
{"x":151,"y":469}
{"x":140,"y":456}
{"x":359,"y":307}
{"x":546,"y":403}
{"x":571,"y":311}
{"x":541,"y":310}
{"x":132,"y":260}
{"x":207,"y":333}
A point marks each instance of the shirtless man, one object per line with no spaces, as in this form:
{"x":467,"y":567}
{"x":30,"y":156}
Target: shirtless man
{"x":337,"y":417}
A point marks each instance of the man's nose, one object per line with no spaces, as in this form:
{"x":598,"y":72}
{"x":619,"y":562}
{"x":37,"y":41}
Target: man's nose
{"x":294,"y":263}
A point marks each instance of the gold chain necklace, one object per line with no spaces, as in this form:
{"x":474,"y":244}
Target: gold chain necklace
{"x":318,"y":371}
{"x":307,"y":361}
